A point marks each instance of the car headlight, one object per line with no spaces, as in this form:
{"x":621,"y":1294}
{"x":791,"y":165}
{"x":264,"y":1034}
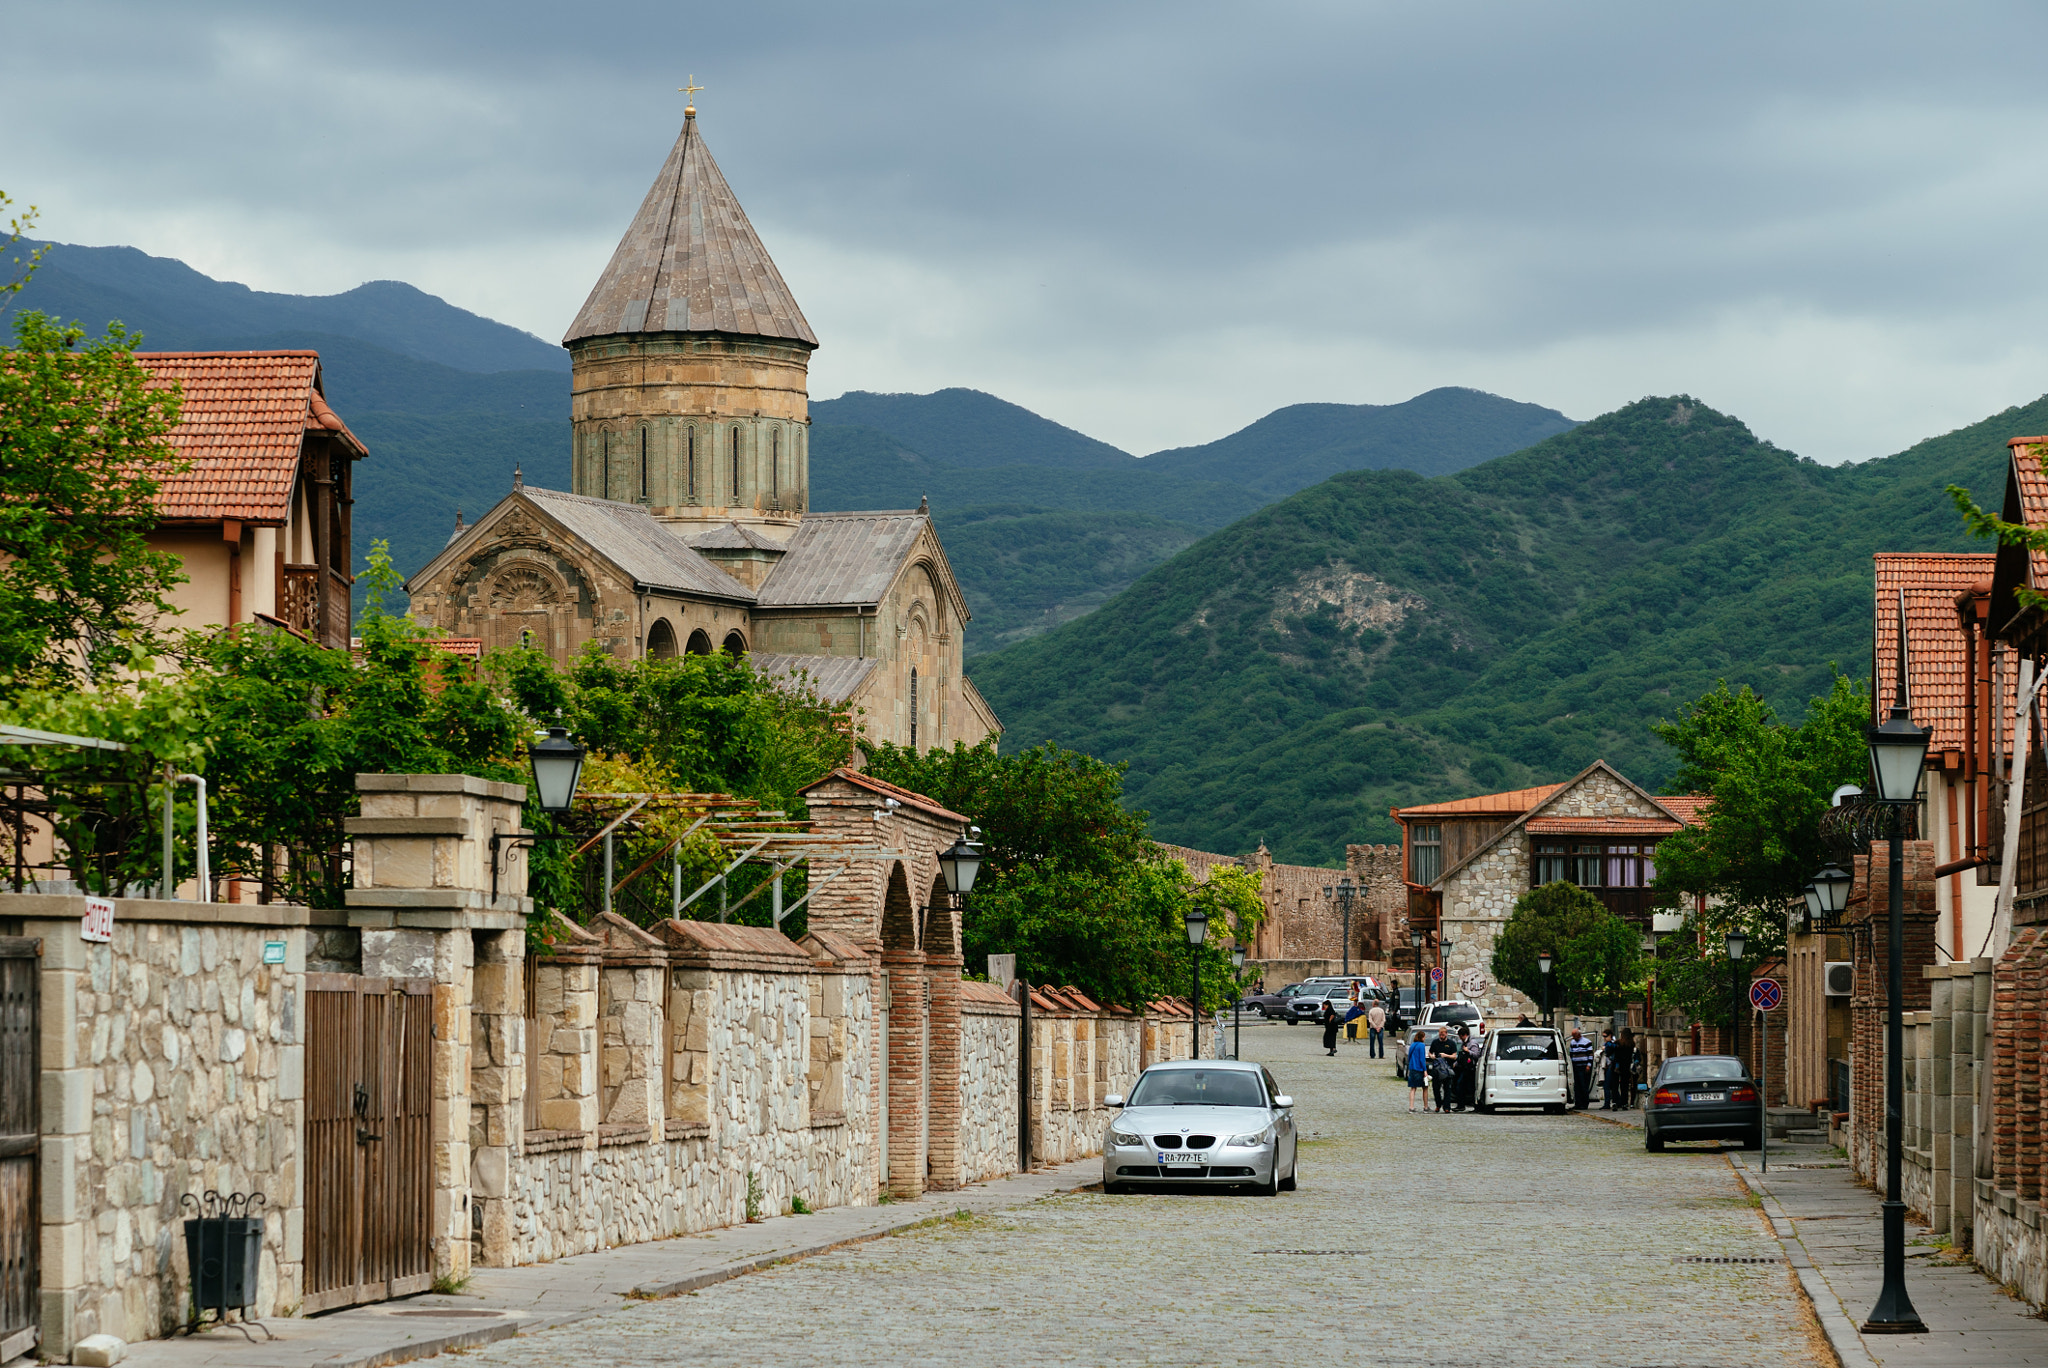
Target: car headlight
{"x":1255,"y":1138}
{"x":1125,"y":1138}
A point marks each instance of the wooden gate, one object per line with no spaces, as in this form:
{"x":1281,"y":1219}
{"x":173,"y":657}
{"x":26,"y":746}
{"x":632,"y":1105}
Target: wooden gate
{"x":20,"y":1124}
{"x":369,"y":1157}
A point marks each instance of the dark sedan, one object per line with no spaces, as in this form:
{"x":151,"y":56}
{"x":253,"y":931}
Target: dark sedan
{"x":1703,"y":1097}
{"x":1271,"y":1004}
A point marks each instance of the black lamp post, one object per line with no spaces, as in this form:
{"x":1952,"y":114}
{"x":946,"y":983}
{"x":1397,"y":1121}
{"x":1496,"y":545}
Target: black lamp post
{"x":1543,"y":962}
{"x":1738,"y":944}
{"x":1197,"y":923}
{"x":1344,"y":891}
{"x":1443,"y":968}
{"x":1898,"y":757}
{"x":1415,"y":938}
{"x":557,"y":764}
{"x":1237,"y":1008}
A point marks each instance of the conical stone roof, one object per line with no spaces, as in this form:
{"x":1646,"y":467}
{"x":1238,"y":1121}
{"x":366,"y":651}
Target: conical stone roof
{"x":691,"y":263}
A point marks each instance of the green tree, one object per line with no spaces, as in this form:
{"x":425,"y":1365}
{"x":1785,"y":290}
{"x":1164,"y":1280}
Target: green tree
{"x":1757,"y":841}
{"x":82,"y":457}
{"x":1597,"y":962}
{"x":1073,"y":885}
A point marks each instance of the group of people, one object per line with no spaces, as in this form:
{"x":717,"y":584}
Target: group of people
{"x":1444,"y":1073}
{"x":1615,"y":1057}
{"x":1375,"y":1016}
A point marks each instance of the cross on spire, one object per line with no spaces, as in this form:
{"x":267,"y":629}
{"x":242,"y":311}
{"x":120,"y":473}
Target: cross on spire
{"x":689,"y":91}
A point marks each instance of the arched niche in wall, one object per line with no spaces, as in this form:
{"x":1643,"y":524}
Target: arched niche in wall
{"x":699,"y":643}
{"x":735,"y":644}
{"x":661,"y":640}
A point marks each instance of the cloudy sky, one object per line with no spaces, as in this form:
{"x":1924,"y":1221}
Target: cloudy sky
{"x":1153,"y":222}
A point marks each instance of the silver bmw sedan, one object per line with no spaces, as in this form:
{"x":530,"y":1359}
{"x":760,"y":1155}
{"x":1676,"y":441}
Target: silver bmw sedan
{"x":1209,"y":1121}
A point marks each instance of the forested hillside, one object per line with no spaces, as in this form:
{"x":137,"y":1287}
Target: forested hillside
{"x":1385,"y":638}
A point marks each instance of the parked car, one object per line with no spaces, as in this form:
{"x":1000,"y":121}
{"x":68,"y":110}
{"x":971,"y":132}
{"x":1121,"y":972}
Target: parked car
{"x":1434,"y":1014}
{"x":1210,"y":1121}
{"x":1271,"y":1004}
{"x":1703,"y":1097}
{"x":1524,"y":1066}
{"x":1308,"y":1003}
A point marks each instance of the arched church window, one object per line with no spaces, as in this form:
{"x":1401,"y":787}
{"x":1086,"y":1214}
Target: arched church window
{"x":775,"y":465}
{"x":735,"y":463}
{"x":693,"y":463}
{"x":913,"y":707}
{"x":606,"y":457}
{"x":643,"y":465}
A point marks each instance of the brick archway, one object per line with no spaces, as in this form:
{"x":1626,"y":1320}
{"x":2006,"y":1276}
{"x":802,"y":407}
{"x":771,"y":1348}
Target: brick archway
{"x":909,"y":1040}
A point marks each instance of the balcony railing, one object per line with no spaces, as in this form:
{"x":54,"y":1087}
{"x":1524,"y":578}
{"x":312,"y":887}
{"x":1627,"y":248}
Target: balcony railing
{"x":298,"y":598}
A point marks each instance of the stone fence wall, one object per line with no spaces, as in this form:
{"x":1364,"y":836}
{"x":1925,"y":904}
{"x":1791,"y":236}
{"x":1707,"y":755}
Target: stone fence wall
{"x":990,"y":1022}
{"x":1081,"y":1053}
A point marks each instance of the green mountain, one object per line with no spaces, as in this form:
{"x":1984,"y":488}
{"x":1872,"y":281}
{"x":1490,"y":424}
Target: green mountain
{"x":1385,"y":638}
{"x":997,"y":474}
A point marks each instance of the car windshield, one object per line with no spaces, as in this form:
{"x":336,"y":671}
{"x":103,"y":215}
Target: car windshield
{"x":1700,"y":1070}
{"x":1454,"y":1011}
{"x":1198,"y":1088}
{"x":1526,"y":1045}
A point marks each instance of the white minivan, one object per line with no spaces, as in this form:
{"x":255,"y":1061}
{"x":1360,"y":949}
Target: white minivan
{"x":1524,"y":1066}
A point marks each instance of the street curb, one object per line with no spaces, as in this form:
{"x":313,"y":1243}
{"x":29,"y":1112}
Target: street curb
{"x":428,"y":1348}
{"x":1841,"y":1332}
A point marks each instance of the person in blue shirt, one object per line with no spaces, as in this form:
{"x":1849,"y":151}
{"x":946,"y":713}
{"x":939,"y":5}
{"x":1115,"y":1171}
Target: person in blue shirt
{"x":1418,"y":1072}
{"x":1582,"y":1051}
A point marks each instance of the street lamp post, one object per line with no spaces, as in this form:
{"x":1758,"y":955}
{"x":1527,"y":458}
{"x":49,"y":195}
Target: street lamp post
{"x":1415,"y":938}
{"x":1443,"y":966}
{"x":1345,"y":889}
{"x":557,"y":764}
{"x":1197,"y":924}
{"x":1543,"y":962}
{"x":1738,"y":945}
{"x":1237,"y":1008}
{"x":1898,"y":758}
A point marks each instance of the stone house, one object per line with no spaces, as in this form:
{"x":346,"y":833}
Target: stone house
{"x":1469,"y":860}
{"x":687,"y":526}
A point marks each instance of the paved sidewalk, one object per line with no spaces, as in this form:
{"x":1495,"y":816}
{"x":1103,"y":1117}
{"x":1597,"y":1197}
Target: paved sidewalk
{"x":499,"y":1303}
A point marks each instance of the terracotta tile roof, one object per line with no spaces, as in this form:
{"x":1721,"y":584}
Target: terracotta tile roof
{"x":244,"y":421}
{"x":472,"y":647}
{"x":1513,"y":801}
{"x":690,"y":262}
{"x":1600,"y":826}
{"x":888,"y":790}
{"x":1937,"y":666}
{"x":2032,"y":483}
{"x":1686,"y":807}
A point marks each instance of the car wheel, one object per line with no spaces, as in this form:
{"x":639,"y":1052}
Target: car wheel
{"x":1554,"y":1108}
{"x":1287,"y":1183}
{"x":1269,"y":1188}
{"x":1652,"y":1143}
{"x":1483,"y":1108}
{"x":1754,"y":1140}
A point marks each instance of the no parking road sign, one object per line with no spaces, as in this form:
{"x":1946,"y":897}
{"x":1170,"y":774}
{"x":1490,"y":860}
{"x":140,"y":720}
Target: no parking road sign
{"x":1436,"y":975}
{"x":1765,"y":995}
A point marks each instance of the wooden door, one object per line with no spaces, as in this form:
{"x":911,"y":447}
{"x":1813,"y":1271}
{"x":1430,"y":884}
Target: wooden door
{"x":20,"y":1144}
{"x":369,"y":1158}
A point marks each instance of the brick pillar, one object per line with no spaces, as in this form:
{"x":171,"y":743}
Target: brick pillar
{"x":2027,"y":1074}
{"x":497,"y":1088}
{"x":906,"y":1101}
{"x":2005,"y":1060}
{"x":943,"y":1064}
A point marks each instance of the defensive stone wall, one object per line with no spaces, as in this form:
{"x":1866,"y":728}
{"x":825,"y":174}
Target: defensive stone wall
{"x":173,"y":1065}
{"x":989,"y":1029}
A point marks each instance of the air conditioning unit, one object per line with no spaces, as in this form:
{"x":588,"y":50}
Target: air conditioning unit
{"x":1839,"y":978}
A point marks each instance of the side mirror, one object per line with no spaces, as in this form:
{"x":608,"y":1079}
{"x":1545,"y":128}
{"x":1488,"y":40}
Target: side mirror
{"x":1113,"y":1100}
{"x":1281,"y":1101}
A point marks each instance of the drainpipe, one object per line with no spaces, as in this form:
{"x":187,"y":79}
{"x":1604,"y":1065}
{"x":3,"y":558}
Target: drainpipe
{"x":205,"y":870}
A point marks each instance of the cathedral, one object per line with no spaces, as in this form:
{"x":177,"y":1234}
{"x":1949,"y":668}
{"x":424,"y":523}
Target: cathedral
{"x":687,"y":527}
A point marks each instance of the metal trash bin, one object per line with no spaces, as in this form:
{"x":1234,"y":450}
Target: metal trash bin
{"x":224,"y":1250}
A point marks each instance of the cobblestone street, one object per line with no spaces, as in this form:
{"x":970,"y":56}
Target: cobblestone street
{"x":1440,"y":1240}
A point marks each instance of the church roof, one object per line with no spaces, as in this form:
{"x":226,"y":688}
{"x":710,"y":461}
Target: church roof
{"x":839,"y":558}
{"x":631,"y":539}
{"x":836,"y":678}
{"x":691,"y":262}
{"x":732,"y":537}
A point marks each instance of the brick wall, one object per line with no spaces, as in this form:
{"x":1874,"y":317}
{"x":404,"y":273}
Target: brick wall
{"x":1869,"y":914}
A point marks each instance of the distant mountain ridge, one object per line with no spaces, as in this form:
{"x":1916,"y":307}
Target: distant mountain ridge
{"x":1042,"y":523}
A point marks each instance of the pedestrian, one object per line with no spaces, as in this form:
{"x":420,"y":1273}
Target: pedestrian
{"x":1418,"y":1072}
{"x":1467,"y":1069}
{"x":1625,"y":1067}
{"x":1376,"y":1031}
{"x":1443,"y":1054}
{"x":1581,"y":1049}
{"x":1330,"y":1024}
{"x":1609,"y":1092}
{"x":1523,"y":1020}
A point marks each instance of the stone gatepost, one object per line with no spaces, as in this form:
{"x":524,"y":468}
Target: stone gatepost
{"x":423,"y":902}
{"x":632,"y":987}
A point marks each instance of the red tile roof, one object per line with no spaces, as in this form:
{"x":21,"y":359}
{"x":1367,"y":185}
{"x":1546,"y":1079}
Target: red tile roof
{"x":888,"y":790}
{"x":1686,"y":807}
{"x":1515,"y":801}
{"x":1601,"y":826}
{"x":245,"y":417}
{"x":1937,"y":666}
{"x":2033,"y":490}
